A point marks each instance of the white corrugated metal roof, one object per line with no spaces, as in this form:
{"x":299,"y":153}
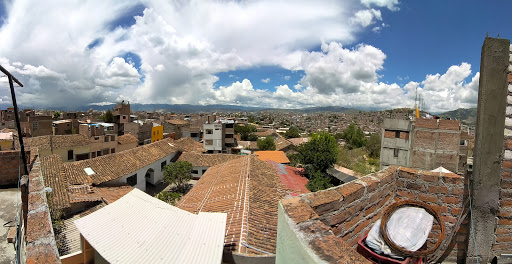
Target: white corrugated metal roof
{"x":138,"y":228}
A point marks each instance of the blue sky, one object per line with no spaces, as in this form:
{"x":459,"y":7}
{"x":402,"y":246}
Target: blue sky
{"x":268,"y":53}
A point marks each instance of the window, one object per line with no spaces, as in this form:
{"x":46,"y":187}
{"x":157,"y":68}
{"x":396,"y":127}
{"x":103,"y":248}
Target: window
{"x":34,"y":125}
{"x":162,"y":165}
{"x":124,"y":117}
{"x":209,"y":142}
{"x":132,"y":180}
{"x":93,"y":154}
{"x":113,"y":150}
{"x":70,"y":154}
{"x":195,"y":172}
{"x":194,"y":134}
{"x":397,"y":134}
{"x":153,"y":133}
{"x":229,"y":125}
{"x":113,"y":137}
{"x":204,"y":171}
{"x":98,"y":153}
{"x":395,"y":153}
{"x":96,"y":138}
{"x":209,"y":131}
{"x":107,"y":138}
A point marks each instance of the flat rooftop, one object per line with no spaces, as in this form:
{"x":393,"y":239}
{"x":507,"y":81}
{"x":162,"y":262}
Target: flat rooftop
{"x":8,"y":200}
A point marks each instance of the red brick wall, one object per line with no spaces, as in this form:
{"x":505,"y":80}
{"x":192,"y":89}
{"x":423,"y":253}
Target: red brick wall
{"x":350,"y":210}
{"x":448,"y":141}
{"x":389,"y":134}
{"x":426,"y":123}
{"x":503,"y":232}
{"x":422,"y":159}
{"x":10,"y":163}
{"x":404,"y":135}
{"x":445,"y":193}
{"x":449,"y":124}
{"x":424,"y":139}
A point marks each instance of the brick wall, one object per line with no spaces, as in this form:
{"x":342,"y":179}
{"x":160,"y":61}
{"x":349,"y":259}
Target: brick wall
{"x":10,"y":165}
{"x":404,"y":135}
{"x":424,"y":139}
{"x":348,"y":212}
{"x":426,"y":123}
{"x":445,"y":193}
{"x":503,"y":231}
{"x":389,"y":134}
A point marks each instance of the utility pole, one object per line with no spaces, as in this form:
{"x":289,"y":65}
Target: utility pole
{"x":16,"y":114}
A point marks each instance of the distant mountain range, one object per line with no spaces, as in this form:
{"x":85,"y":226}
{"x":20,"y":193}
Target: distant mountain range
{"x":467,"y":116}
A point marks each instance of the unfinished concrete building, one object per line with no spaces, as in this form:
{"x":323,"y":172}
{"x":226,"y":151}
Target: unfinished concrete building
{"x":396,"y":143}
{"x":424,"y":144}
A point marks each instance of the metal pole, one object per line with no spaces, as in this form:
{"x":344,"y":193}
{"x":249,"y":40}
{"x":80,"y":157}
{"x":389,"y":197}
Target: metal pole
{"x":17,"y":116}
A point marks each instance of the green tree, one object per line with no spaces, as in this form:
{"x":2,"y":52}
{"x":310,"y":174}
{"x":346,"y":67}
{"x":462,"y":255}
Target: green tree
{"x":354,"y":136}
{"x":108,"y":117}
{"x":56,"y":115}
{"x":373,"y":145}
{"x":169,"y":197}
{"x":266,"y":144}
{"x":320,"y":153}
{"x":293,"y":132}
{"x":318,"y":181}
{"x":178,"y":173}
{"x":246,"y":132}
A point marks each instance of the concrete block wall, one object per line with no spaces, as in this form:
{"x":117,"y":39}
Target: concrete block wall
{"x":10,"y":165}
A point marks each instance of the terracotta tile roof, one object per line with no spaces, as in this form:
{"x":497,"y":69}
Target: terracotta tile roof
{"x":114,"y":166}
{"x":291,"y":178}
{"x":282,"y":143}
{"x":274,"y":155}
{"x":206,"y":160}
{"x":188,"y":145}
{"x":59,"y":141}
{"x":70,"y":182}
{"x":104,"y":194}
{"x":248,"y":190}
{"x":298,"y":141}
{"x":53,"y":177}
{"x":127,"y":139}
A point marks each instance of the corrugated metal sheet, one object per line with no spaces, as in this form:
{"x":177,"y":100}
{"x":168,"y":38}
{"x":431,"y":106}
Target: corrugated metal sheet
{"x":141,"y":229}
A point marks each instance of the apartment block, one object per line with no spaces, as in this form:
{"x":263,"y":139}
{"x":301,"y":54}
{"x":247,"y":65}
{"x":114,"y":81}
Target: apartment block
{"x":102,"y":138}
{"x":219,"y":137}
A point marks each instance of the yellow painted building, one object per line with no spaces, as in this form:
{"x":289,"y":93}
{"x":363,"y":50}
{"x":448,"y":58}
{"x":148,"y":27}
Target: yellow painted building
{"x":157,"y":133}
{"x":6,"y":141}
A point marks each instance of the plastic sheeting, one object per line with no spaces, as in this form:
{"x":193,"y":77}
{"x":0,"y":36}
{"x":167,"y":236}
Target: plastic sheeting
{"x":407,"y":227}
